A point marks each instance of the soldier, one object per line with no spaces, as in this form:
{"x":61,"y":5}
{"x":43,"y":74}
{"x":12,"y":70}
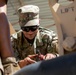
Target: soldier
{"x":32,"y":43}
{"x":63,"y":65}
{"x":6,"y":52}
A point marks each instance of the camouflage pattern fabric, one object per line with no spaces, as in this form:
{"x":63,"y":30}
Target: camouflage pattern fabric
{"x":10,"y":66}
{"x":45,"y":41}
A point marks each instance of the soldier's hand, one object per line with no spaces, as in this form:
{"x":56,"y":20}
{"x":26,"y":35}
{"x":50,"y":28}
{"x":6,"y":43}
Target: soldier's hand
{"x":32,"y":56}
{"x":28,"y":60}
{"x":50,"y":56}
{"x":41,"y":57}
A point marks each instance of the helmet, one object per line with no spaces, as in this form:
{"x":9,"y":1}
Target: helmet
{"x":28,"y":15}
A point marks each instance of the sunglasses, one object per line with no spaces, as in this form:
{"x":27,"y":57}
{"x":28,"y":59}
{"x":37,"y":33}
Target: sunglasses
{"x":28,"y":28}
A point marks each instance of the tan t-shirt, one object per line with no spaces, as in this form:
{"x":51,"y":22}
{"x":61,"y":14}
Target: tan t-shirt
{"x":65,"y":19}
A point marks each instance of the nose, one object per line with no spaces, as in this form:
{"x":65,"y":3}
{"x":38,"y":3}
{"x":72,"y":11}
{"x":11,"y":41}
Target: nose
{"x":30,"y":31}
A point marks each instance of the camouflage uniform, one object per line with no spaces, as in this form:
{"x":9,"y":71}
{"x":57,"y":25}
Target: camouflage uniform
{"x":44,"y":41}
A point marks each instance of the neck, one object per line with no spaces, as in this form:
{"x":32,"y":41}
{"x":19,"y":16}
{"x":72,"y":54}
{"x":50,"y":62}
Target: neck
{"x":30,"y":40}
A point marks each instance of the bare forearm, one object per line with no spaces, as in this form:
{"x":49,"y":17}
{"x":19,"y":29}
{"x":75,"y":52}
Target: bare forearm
{"x":5,"y":45}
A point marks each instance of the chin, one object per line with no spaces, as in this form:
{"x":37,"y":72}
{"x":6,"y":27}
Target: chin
{"x":30,"y":38}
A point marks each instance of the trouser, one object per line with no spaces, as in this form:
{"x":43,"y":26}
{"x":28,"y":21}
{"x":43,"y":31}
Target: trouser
{"x":63,"y":65}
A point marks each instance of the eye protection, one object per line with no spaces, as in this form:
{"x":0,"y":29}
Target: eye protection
{"x":28,"y":28}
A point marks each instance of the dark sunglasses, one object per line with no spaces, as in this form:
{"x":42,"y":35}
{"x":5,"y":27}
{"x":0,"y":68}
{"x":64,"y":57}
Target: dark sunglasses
{"x":28,"y":28}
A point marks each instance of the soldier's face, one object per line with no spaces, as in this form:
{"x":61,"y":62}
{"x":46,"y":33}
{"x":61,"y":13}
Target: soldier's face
{"x":30,"y":33}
